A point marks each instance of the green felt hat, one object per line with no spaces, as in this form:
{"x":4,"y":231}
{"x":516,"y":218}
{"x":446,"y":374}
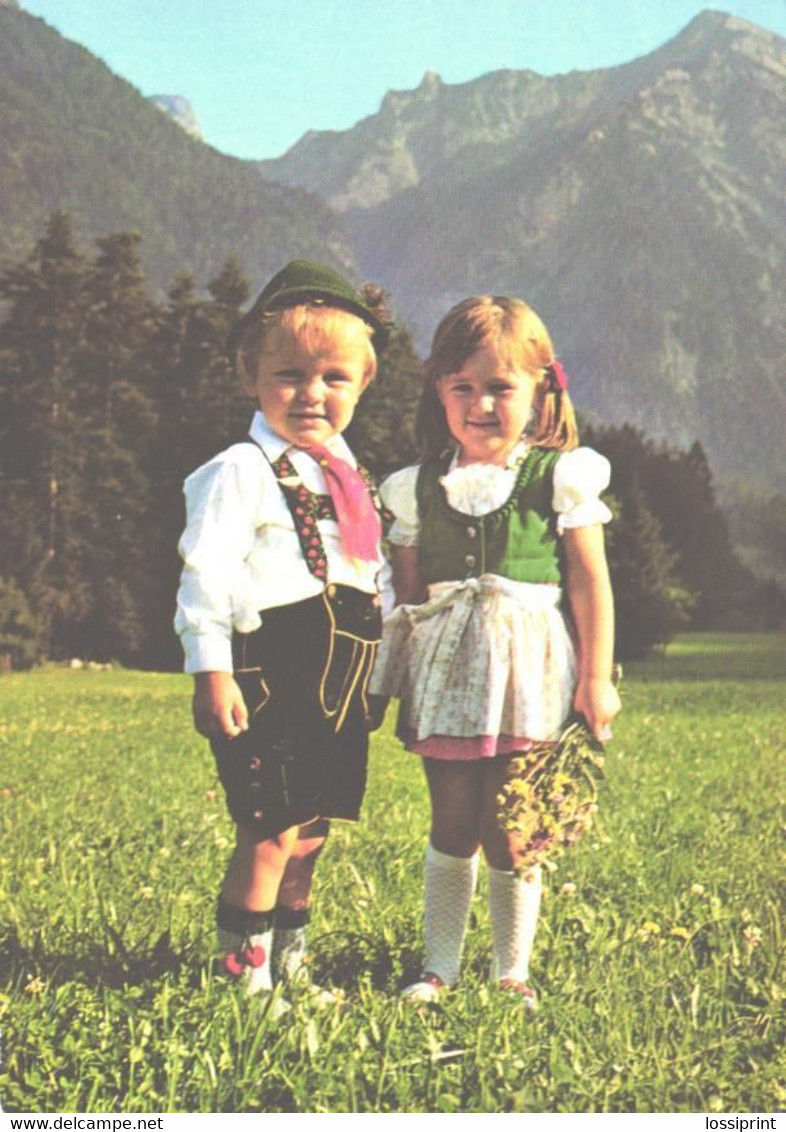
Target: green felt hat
{"x":303,"y":281}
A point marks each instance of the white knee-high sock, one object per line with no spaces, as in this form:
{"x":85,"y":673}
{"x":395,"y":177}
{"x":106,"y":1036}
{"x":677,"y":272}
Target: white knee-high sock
{"x":450,"y":885}
{"x":514,"y":903}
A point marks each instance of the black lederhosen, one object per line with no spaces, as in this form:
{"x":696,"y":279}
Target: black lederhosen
{"x":303,"y":675}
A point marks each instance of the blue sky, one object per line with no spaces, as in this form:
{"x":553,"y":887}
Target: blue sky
{"x":259,"y":73}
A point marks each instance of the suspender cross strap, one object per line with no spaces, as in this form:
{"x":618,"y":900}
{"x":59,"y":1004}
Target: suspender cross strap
{"x":307,"y":508}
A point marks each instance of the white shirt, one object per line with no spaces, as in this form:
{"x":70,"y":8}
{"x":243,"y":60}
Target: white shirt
{"x":477,"y":489}
{"x":241,"y":550}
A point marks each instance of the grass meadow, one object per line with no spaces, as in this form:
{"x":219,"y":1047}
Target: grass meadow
{"x":659,"y":961}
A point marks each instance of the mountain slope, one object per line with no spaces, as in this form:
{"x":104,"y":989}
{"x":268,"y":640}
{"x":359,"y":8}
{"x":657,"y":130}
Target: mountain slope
{"x":639,"y":208}
{"x":78,"y":138}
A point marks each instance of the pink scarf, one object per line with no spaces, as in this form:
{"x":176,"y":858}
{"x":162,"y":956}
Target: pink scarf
{"x":358,"y":521}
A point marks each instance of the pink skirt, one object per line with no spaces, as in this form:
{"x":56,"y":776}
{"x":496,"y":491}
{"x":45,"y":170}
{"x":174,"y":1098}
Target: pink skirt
{"x":459,"y":749}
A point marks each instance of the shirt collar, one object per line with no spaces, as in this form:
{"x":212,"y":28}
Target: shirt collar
{"x":515,"y":457}
{"x":274,"y":445}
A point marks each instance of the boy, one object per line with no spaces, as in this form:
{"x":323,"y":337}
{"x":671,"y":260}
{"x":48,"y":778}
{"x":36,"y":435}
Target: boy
{"x":278,"y":610}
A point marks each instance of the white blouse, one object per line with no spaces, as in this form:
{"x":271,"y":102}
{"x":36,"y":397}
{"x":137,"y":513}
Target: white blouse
{"x":476,"y":489}
{"x":240,"y":549}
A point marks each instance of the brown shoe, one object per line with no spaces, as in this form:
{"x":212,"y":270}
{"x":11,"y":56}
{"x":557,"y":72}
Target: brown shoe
{"x":515,"y":986}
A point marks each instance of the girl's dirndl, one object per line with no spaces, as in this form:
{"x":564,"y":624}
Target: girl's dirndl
{"x":486,"y":665}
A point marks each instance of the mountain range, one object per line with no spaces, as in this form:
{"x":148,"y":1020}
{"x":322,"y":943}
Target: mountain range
{"x":639,"y":208}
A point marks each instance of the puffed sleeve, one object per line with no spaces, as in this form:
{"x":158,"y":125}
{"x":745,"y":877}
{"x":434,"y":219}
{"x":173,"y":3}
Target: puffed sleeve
{"x":579,"y":478}
{"x":223,"y":500}
{"x":398,"y":494}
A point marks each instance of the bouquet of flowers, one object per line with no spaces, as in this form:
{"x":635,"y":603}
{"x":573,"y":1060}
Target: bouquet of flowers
{"x":549,"y":795}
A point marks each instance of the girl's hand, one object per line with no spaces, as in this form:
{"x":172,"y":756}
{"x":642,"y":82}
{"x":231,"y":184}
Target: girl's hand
{"x":597,"y":700}
{"x":219,"y":707}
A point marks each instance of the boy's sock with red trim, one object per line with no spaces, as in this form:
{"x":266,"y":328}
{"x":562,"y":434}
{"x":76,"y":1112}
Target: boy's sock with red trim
{"x":245,"y":939}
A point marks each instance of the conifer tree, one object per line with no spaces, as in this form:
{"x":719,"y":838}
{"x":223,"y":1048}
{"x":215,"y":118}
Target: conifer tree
{"x":201,"y":410}
{"x":43,"y":428}
{"x":200,"y":405}
{"x":230,"y":289}
{"x":382,"y":432}
{"x":19,"y":633}
{"x":224,"y":410}
{"x":680,"y":491}
{"x":120,"y":423}
{"x":650,"y":604}
{"x":176,"y":357}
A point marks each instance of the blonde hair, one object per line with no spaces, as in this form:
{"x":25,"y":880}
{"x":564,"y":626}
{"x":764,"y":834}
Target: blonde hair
{"x":520,"y":336}
{"x":312,"y":323}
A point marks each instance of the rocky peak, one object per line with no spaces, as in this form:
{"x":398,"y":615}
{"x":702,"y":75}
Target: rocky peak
{"x":430,"y":83}
{"x":711,"y":32}
{"x":399,"y":102}
{"x":180,"y":110}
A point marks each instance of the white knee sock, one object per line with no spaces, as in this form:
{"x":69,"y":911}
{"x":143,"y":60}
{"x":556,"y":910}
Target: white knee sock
{"x":514,"y":903}
{"x":450,"y":885}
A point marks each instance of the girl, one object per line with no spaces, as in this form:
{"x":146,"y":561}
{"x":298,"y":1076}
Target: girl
{"x":278,"y":608}
{"x":502,"y":512}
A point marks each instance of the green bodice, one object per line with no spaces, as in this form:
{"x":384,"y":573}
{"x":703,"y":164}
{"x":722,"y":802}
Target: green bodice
{"x":517,"y":541}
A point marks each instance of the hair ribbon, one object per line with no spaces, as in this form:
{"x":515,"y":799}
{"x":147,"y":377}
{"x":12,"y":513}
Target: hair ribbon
{"x":558,"y":379}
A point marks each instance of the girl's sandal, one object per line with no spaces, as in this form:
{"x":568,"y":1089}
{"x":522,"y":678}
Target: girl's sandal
{"x":527,"y":995}
{"x":428,"y":988}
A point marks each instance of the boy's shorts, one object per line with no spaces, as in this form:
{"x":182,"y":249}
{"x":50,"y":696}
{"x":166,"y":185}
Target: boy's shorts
{"x":303,"y":675}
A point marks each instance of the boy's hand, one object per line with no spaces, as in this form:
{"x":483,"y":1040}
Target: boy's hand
{"x":598,"y":701}
{"x":219,"y":708}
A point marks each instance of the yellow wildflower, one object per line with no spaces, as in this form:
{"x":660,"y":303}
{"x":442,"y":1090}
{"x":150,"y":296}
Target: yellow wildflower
{"x":752,"y":936}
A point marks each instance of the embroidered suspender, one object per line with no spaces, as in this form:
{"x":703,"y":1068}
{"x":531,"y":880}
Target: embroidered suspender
{"x":305,"y":507}
{"x":386,"y":516}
